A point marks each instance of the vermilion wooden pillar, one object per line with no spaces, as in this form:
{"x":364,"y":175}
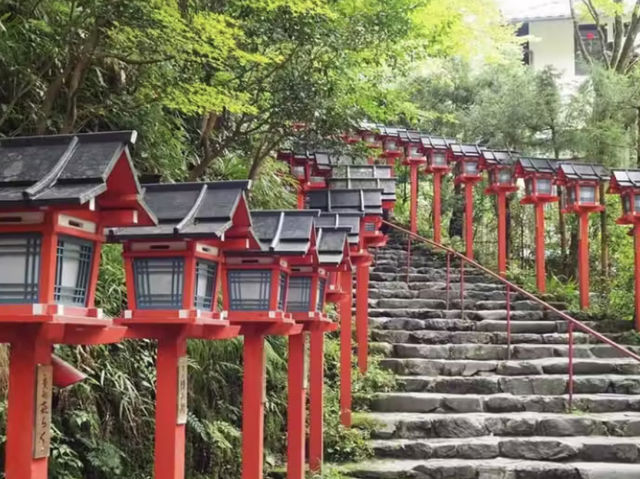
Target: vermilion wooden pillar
{"x":362,"y":310}
{"x":583,"y":259}
{"x":300,"y":198}
{"x":636,"y":241}
{"x":413,"y":167}
{"x":468,"y":219}
{"x":296,"y":417}
{"x":345,"y":349}
{"x":437,"y":206}
{"x":27,"y":352}
{"x":502,"y":232}
{"x":170,"y":429}
{"x":316,"y":401}
{"x":541,"y":275}
{"x":253,"y":392}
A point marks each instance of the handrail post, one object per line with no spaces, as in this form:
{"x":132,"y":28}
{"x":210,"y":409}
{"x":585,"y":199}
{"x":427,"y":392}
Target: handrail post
{"x":570,"y":366}
{"x":448,"y":278}
{"x":408,"y":258}
{"x":461,"y":288}
{"x":508,"y":322}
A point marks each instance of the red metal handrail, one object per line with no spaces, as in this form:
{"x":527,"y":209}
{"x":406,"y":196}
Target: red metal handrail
{"x":572,"y":322}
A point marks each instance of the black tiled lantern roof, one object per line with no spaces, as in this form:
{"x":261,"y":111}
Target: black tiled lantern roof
{"x":363,"y":171}
{"x":499,"y":157}
{"x":64,"y":169}
{"x":331,"y":244}
{"x":465,"y":150}
{"x":190,"y":210}
{"x":537,"y":165}
{"x":409,"y":136}
{"x":289,"y":232}
{"x":341,"y":220}
{"x":435,"y":142}
{"x":388,"y":185}
{"x":584,"y":171}
{"x":625,"y":179}
{"x":363,"y":201}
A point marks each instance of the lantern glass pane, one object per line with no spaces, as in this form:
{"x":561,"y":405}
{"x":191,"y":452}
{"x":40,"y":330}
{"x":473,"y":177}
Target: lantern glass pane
{"x":413,"y":151}
{"x":20,"y":268}
{"x":528,"y":186}
{"x":282,"y":295}
{"x":370,"y":227}
{"x":543,"y":186}
{"x":322,"y":284}
{"x":439,"y":159}
{"x":587,"y":194}
{"x":390,"y":145}
{"x":206,"y":275}
{"x":159,"y":282}
{"x":626,"y":203}
{"x":249,"y":290}
{"x":636,"y":203}
{"x":73,"y":271}
{"x":470,"y":168}
{"x":298,"y":171}
{"x":504,"y":177}
{"x":370,"y":139}
{"x":571,"y":196}
{"x":299,"y":295}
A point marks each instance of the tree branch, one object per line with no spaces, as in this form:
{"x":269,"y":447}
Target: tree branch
{"x":578,"y":37}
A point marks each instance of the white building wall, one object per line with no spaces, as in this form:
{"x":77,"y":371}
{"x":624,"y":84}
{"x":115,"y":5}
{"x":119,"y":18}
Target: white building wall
{"x":552,"y":44}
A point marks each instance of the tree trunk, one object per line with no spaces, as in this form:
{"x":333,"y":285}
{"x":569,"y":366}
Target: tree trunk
{"x":562,"y":230}
{"x":604,"y":235}
{"x":573,"y":251}
{"x":638,"y":139}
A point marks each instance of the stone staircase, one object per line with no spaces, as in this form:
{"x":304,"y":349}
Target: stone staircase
{"x":463,"y":411}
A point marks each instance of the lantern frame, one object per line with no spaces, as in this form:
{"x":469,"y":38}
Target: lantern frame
{"x":65,"y":203}
{"x":576,"y":178}
{"x":187,"y":235}
{"x":495,"y":162}
{"x":626,"y":183}
{"x":463,"y":157}
{"x":533,"y":170}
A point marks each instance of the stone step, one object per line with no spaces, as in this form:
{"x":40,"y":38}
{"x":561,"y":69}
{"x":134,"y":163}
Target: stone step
{"x":477,"y":337}
{"x":536,"y":448}
{"x":469,"y":278}
{"x":428,"y":284}
{"x":461,"y":425}
{"x":499,"y":468}
{"x":499,"y":352}
{"x":550,"y":384}
{"x":497,"y":403}
{"x":443,"y":367}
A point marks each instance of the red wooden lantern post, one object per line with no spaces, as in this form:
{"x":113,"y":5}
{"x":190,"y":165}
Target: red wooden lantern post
{"x":305,"y":169}
{"x":539,"y":175}
{"x":438,"y":156}
{"x":581,"y":183}
{"x":340,"y":290}
{"x":288,"y":231}
{"x":414,"y":158}
{"x":371,"y":140}
{"x":467,"y":172}
{"x":333,"y":256}
{"x":391,"y":146}
{"x":626,"y":183}
{"x":255,"y":286}
{"x":368,"y":203}
{"x":57,"y":193}
{"x":172,"y":276}
{"x":499,"y":165}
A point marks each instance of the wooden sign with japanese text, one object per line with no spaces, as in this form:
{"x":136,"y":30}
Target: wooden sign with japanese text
{"x":183,"y":390}
{"x":42,"y":419}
